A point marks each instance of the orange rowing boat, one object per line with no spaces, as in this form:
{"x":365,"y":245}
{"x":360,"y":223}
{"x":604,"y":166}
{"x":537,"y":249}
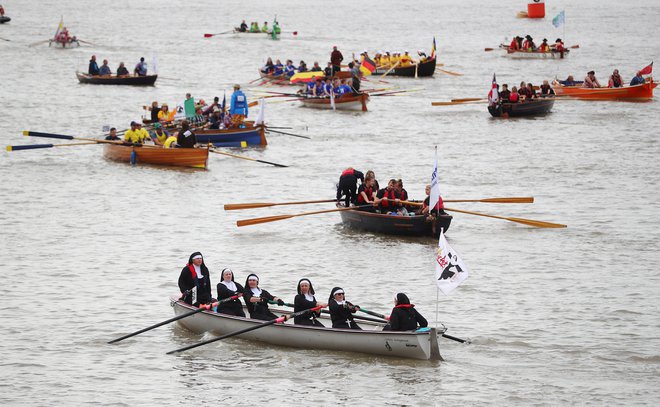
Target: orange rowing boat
{"x":156,"y":155}
{"x":637,"y":92}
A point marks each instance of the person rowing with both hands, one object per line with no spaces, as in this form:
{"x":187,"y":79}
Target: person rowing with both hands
{"x":257,"y":299}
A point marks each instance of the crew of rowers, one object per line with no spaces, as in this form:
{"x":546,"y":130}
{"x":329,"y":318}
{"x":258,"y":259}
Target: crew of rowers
{"x":615,"y":80}
{"x":254,"y":27}
{"x":392,"y":200}
{"x":528,"y":45}
{"x":526,"y":92}
{"x":104,"y":70}
{"x":63,"y":36}
{"x":195,"y":285}
{"x":384,"y":59}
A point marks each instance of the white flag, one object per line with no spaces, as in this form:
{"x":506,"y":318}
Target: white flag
{"x":332,"y":100}
{"x":435,"y":184}
{"x":450,"y":271}
{"x":260,"y":115}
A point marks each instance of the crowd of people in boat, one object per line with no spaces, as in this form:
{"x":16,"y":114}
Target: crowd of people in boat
{"x":525,"y":92}
{"x":195,"y":285}
{"x":391,"y":200}
{"x":64,"y":37}
{"x":206,"y":116}
{"x":254,"y":28}
{"x":104,"y":70}
{"x":615,"y":80}
{"x":527,"y":44}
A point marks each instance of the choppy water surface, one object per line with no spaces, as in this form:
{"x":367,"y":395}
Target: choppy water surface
{"x":91,"y":249}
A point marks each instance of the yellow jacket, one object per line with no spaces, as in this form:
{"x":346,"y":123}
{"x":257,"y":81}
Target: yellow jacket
{"x":133,"y":136}
{"x":161,"y":137}
{"x":170,"y":140}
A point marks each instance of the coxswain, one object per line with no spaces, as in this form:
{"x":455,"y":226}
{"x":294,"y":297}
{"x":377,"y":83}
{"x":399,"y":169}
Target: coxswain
{"x":269,"y":67}
{"x":195,"y":282}
{"x":637,"y":79}
{"x":186,"y":138}
{"x":366,"y":193}
{"x":306,"y":300}
{"x":122,"y":71}
{"x":386,"y":198}
{"x":335,"y":59}
{"x":227,"y":288}
{"x":93,"y":66}
{"x":257,"y":299}
{"x":134,"y":135}
{"x":544,"y":47}
{"x":404,"y":316}
{"x":113,"y":135}
{"x":141,"y":68}
{"x":590,"y":80}
{"x":264,"y":28}
{"x":504,"y":94}
{"x":243,"y":28}
{"x":316,"y":67}
{"x":341,"y":311}
{"x":327,"y":88}
{"x":546,"y":89}
{"x":239,"y":107}
{"x":347,"y":186}
{"x":615,"y":80}
{"x":105,"y":69}
{"x":159,"y":135}
{"x":422,"y":55}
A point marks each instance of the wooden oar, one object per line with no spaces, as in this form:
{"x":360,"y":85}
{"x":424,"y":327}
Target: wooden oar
{"x":242,"y":157}
{"x":489,"y":49}
{"x":204,"y":307}
{"x":466,"y":99}
{"x":390,"y":70}
{"x":86,"y":42}
{"x":38,"y":43}
{"x":529,"y":222}
{"x":256,"y":221}
{"x":380,"y":321}
{"x":214,"y":34}
{"x":457,"y":103}
{"x":5,"y":39}
{"x":66,"y":137}
{"x":286,"y":134}
{"x":37,"y":146}
{"x":514,"y":199}
{"x":281,"y":319}
{"x":450,"y":72}
{"x":234,"y":207}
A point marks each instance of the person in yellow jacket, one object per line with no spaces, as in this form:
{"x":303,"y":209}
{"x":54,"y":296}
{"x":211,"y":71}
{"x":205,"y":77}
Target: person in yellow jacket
{"x":396,"y":58}
{"x":160,"y":135}
{"x":136,"y":135}
{"x":264,"y":28}
{"x":385,"y":60}
{"x":170,"y":142}
{"x":165,"y":115}
{"x":406,"y":59}
{"x":144,"y":134}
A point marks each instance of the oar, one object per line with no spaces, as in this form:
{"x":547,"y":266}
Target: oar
{"x":281,"y":319}
{"x":66,"y":137}
{"x":489,"y":49}
{"x":234,"y":207}
{"x":450,"y":72}
{"x":390,"y":70}
{"x":4,"y":39}
{"x":214,"y":34}
{"x":514,"y":199}
{"x":86,"y":42}
{"x":466,"y":99}
{"x":286,"y":134}
{"x":529,"y":222}
{"x":38,"y":43}
{"x":37,"y":146}
{"x":380,"y":321}
{"x":256,"y":221}
{"x":242,"y":157}
{"x":457,"y":103}
{"x":204,"y":307}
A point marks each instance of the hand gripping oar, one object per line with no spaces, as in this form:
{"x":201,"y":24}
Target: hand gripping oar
{"x":281,"y":319}
{"x":380,"y":321}
{"x":204,"y":307}
{"x":37,"y":146}
{"x":242,"y":157}
{"x":529,"y":222}
{"x":233,"y":207}
{"x":255,"y":221}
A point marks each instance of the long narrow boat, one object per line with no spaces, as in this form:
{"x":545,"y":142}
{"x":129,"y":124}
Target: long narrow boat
{"x":155,"y":155}
{"x":418,"y":225}
{"x":421,"y":344}
{"x":344,"y":102}
{"x":638,"y":92}
{"x":134,"y":80}
{"x":534,"y":107}
{"x":249,"y":136}
{"x":521,"y":54}
{"x":426,"y":68}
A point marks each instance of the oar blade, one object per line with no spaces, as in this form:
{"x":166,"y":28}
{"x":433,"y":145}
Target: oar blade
{"x":47,"y":135}
{"x":28,"y":147}
{"x":235,"y":207}
{"x":275,"y":164}
{"x":537,"y":223}
{"x":256,"y":221}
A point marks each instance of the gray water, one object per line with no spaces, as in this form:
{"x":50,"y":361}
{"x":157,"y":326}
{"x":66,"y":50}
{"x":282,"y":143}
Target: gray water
{"x":91,"y":249}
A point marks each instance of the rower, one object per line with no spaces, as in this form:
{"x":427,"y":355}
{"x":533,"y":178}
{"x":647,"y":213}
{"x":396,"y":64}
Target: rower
{"x":317,"y":90}
{"x":160,"y":135}
{"x":141,"y":68}
{"x":406,"y":59}
{"x":514,"y":44}
{"x":371,"y":174}
{"x":531,"y":93}
{"x":590,"y":80}
{"x":269,"y":67}
{"x":504,"y":94}
{"x":347,"y":186}
{"x":93,"y":66}
{"x":403,"y":195}
{"x":366,"y":193}
{"x":528,"y":44}
{"x":227,"y":288}
{"x":637,"y":79}
{"x":327,"y":87}
{"x":316,"y":67}
{"x":164,"y":115}
{"x":523,"y":91}
{"x":112,"y":135}
{"x":615,"y":80}
{"x":144,"y":134}
{"x":105,"y":69}
{"x":544,"y":47}
{"x":239,"y":107}
{"x":257,"y":299}
{"x":254,"y":27}
{"x":289,"y":69}
{"x":387,"y":198}
{"x":264,"y":28}
{"x":341,"y":311}
{"x":404,"y":316}
{"x":122,"y":71}
{"x":134,"y":135}
{"x":186,"y":138}
{"x":302,"y":67}
{"x":310,"y":87}
{"x":195,"y":282}
{"x":278,"y":68}
{"x":170,"y":142}
{"x":514,"y":97}
{"x":243,"y":27}
{"x":546,"y":89}
{"x":385,"y":60}
{"x":306,"y":300}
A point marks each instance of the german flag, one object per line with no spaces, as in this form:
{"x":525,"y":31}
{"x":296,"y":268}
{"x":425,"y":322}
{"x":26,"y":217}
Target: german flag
{"x":368,"y":66}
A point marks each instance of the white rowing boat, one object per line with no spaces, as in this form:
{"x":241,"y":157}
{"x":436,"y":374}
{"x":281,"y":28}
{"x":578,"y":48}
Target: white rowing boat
{"x":344,"y":102}
{"x":421,"y":344}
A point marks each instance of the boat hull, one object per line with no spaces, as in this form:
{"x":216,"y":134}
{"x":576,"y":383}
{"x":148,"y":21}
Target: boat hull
{"x":637,"y":92}
{"x":250,"y":136}
{"x":536,"y":54}
{"x":176,"y":157}
{"x":147,"y":80}
{"x":395,"y":225}
{"x":4,"y":19}
{"x":371,"y":340}
{"x":346,"y":102}
{"x":536,"y":107}
{"x":59,"y":44}
{"x":426,"y":68}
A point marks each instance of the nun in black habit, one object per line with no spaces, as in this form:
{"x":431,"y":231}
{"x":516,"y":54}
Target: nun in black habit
{"x":257,"y":299}
{"x":306,"y":300}
{"x":404,"y":316}
{"x":194,"y":281}
{"x":229,"y":288}
{"x":341,"y":311}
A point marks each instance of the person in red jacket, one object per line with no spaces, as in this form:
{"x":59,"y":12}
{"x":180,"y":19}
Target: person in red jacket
{"x":335,"y":59}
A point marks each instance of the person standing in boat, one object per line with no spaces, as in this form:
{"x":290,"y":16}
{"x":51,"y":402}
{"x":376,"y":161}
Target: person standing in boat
{"x":93,"y":66}
{"x":347,"y":185}
{"x":141,"y":68}
{"x":186,"y":138}
{"x":590,"y":80}
{"x":257,"y":299}
{"x":341,"y":311}
{"x":105,"y":69}
{"x":335,"y":59}
{"x":122,"y":71}
{"x":239,"y":107}
{"x":195,"y":282}
{"x":615,"y":80}
{"x":355,"y":76}
{"x":306,"y":300}
{"x":404,"y":316}
{"x":229,"y":288}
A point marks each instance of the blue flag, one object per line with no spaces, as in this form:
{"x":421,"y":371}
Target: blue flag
{"x":559,"y":19}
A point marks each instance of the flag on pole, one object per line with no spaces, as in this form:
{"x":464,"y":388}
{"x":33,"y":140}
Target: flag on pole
{"x":648,"y":70}
{"x":493,"y":95}
{"x":434,"y":196}
{"x":260,"y":115}
{"x":433,"y":49}
{"x":367,"y":67}
{"x":559,"y":19}
{"x":59,"y":27}
{"x":450,"y":271}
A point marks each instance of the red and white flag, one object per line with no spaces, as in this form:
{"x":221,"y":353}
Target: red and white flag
{"x":450,"y":271}
{"x":648,"y":70}
{"x":493,"y":95}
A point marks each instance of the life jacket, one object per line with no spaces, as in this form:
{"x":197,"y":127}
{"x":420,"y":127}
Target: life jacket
{"x":390,"y":195}
{"x":161,"y":137}
{"x":513,"y":45}
{"x":170,"y":140}
{"x":514,"y":97}
{"x":348,"y":171}
{"x":559,"y":46}
{"x":368,"y":191}
{"x":405,"y":306}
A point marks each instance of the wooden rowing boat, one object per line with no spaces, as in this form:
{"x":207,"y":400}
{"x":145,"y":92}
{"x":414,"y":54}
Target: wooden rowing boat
{"x":156,"y":155}
{"x":134,"y":80}
{"x":638,"y":92}
{"x":426,"y":68}
{"x":421,"y":344}
{"x":418,"y":225}
{"x":521,"y":54}
{"x":344,"y":102}
{"x":257,"y":34}
{"x":534,"y":107}
{"x":241,"y":137}
{"x":64,"y":44}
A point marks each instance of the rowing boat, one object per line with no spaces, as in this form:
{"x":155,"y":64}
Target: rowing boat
{"x":134,"y":80}
{"x":64,"y":44}
{"x":534,"y":107}
{"x":421,"y":344}
{"x":256,"y":34}
{"x":236,"y":137}
{"x":156,"y":155}
{"x":344,"y":102}
{"x":281,"y":79}
{"x":522,"y":54}
{"x":426,"y":68}
{"x":4,"y":19}
{"x":418,"y":225}
{"x":643,"y":91}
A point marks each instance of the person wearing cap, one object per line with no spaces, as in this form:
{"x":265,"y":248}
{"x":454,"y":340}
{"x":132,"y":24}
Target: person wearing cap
{"x":195,"y":281}
{"x":134,"y":135}
{"x":141,"y":68}
{"x":404,"y":316}
{"x":105,"y":69}
{"x":335,"y":59}
{"x":228,"y":288}
{"x":306,"y":300}
{"x":590,"y":80}
{"x":186,"y":138}
{"x":93,"y":66}
{"x":159,"y":135}
{"x":257,"y":299}
{"x":238,"y":107}
{"x":113,"y":135}
{"x":144,"y":134}
{"x":121,"y":70}
{"x":341,"y":311}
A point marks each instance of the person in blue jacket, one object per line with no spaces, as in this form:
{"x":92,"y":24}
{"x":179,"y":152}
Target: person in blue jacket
{"x":637,"y":79}
{"x":239,"y":107}
{"x":93,"y":66}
